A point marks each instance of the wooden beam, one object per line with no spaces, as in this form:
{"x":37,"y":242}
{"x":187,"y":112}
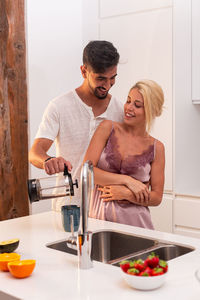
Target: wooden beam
{"x":13,"y":111}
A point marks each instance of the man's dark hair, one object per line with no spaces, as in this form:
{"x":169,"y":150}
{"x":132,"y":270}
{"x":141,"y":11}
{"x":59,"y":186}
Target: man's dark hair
{"x":100,"y":55}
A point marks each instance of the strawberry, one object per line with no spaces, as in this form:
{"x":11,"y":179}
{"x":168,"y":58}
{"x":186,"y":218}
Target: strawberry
{"x":125,"y":265}
{"x":152,"y":260}
{"x":146,"y":272}
{"x":163,"y":264}
{"x":133,"y":271}
{"x":139,"y":264}
{"x":157,"y":271}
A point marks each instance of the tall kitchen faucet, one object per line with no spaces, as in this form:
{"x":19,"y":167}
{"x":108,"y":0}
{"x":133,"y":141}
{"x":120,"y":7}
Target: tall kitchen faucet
{"x":83,"y":242}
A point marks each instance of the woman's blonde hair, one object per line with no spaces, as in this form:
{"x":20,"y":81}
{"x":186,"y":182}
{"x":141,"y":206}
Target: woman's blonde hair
{"x":153,"y":99}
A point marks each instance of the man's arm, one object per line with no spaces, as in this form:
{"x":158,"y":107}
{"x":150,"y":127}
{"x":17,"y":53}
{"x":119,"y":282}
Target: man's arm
{"x":120,"y":192}
{"x":38,"y":155}
{"x":38,"y":152}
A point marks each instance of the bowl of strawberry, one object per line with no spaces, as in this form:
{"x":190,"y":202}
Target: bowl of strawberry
{"x":145,"y":274}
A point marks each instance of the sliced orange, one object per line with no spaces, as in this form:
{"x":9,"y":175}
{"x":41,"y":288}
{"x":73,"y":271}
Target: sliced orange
{"x":5,"y":258}
{"x":22,"y":268}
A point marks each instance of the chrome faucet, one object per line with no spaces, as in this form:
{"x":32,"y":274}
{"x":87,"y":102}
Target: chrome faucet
{"x":84,"y":239}
{"x":83,"y":243}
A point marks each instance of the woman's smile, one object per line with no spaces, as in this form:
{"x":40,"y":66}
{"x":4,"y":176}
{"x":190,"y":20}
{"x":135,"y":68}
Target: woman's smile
{"x":129,"y":115}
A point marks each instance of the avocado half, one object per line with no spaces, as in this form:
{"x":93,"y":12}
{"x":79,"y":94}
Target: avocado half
{"x":9,"y":246}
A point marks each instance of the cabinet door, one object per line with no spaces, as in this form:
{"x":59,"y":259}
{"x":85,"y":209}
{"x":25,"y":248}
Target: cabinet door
{"x":162,"y":215}
{"x":186,"y":216}
{"x":142,"y":32}
{"x":195,"y":51}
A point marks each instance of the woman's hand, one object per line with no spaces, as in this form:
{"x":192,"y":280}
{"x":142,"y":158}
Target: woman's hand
{"x":139,"y":189}
{"x":121,"y":192}
{"x":113,"y":192}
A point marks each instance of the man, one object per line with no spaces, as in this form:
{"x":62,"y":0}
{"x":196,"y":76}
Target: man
{"x":71,"y":119}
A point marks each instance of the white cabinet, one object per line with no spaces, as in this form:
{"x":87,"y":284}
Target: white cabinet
{"x":187,"y":216}
{"x":142,"y":32}
{"x":162,"y":216}
{"x":195,"y":51}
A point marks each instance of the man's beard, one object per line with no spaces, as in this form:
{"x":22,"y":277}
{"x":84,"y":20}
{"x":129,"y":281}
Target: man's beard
{"x":98,"y":93}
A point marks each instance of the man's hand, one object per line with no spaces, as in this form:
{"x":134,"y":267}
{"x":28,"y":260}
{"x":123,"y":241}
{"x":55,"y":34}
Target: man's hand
{"x":56,"y":165}
{"x":120,"y":192}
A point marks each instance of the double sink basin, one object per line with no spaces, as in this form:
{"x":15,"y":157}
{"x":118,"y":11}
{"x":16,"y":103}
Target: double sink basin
{"x":111,"y":247}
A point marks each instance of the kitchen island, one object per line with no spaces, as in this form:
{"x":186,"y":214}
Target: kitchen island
{"x":56,"y":275}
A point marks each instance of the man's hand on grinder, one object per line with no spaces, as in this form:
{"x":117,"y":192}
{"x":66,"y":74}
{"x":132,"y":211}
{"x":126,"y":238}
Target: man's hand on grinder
{"x":53,"y":165}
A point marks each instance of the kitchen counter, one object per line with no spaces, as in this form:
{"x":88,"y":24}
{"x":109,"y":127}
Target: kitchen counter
{"x":56,"y":275}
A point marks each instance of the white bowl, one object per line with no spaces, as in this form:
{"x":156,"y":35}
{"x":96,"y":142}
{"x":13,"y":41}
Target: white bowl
{"x":143,"y":282}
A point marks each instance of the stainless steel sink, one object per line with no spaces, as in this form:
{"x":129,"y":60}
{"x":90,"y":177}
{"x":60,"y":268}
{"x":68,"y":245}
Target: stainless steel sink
{"x":111,"y":247}
{"x":165,"y":252}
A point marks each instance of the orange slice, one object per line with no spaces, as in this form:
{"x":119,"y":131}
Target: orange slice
{"x":5,"y":258}
{"x":22,"y":268}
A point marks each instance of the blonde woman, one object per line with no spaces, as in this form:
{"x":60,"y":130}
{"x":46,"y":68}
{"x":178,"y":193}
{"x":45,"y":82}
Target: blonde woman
{"x":128,"y":162}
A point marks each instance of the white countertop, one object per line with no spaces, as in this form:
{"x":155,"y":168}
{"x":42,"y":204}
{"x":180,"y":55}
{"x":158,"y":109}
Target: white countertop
{"x":56,"y":275}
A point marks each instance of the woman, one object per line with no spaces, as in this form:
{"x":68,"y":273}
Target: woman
{"x":128,"y":162}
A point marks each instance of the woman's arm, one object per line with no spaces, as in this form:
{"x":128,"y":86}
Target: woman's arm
{"x":157,"y":178}
{"x":98,"y":142}
{"x":119,"y":192}
{"x":102,"y":177}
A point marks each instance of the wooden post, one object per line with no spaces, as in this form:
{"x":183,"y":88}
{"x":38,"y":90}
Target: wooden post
{"x":13,"y":111}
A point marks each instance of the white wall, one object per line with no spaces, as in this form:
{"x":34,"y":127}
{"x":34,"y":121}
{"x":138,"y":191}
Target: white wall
{"x":54,"y":56}
{"x":187,"y":115}
{"x":186,"y":205}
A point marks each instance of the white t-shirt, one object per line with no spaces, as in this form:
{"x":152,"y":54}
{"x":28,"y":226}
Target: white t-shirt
{"x":71,"y":123}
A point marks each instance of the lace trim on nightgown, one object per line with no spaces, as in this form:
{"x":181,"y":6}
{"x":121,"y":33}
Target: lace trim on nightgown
{"x":131,"y":162}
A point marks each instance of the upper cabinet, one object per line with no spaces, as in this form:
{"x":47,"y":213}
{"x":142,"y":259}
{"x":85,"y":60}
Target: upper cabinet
{"x":143,"y":34}
{"x":118,"y":7}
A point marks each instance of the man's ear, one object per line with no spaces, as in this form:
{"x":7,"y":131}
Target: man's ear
{"x":84,"y":71}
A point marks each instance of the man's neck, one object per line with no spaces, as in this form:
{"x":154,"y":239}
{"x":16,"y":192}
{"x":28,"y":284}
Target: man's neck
{"x":98,"y":106}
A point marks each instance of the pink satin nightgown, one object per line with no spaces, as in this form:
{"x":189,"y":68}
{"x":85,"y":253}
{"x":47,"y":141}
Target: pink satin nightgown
{"x":137,"y":166}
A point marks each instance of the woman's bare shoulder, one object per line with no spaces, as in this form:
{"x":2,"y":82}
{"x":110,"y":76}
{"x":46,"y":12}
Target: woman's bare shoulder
{"x":159,"y":147}
{"x":109,"y":124}
{"x":105,"y":126}
{"x":157,"y":143}
{"x":117,"y":125}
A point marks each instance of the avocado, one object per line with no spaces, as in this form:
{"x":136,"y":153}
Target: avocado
{"x":9,"y":246}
